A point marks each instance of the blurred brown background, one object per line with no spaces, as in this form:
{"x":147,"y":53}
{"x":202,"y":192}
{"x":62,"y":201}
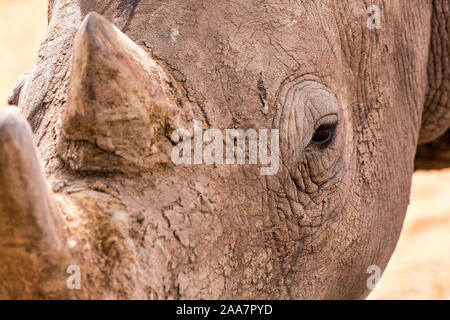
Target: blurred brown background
{"x":420,"y":266}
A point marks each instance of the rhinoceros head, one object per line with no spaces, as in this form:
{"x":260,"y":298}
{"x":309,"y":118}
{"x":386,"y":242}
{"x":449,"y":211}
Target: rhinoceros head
{"x":328,"y":111}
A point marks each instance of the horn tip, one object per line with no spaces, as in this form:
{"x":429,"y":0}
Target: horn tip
{"x":93,"y":20}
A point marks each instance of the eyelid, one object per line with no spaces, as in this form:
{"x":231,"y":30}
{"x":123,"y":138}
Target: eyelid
{"x":331,"y":119}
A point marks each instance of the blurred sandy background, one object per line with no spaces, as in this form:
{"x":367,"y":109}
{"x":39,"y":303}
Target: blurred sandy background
{"x":420,"y":266}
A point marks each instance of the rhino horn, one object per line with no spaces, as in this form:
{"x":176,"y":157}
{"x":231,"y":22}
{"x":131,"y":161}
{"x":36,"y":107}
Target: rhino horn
{"x":119,"y":108}
{"x":31,"y":227}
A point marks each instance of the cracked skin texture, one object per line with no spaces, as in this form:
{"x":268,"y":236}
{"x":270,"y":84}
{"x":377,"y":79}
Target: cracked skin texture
{"x":167,"y":231}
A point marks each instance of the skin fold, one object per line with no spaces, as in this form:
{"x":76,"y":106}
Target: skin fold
{"x":114,"y":79}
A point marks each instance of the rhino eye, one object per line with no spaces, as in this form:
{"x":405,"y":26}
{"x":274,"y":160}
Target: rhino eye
{"x":324,"y":133}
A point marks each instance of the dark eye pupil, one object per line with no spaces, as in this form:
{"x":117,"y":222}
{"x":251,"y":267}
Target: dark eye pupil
{"x":323,"y":134}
